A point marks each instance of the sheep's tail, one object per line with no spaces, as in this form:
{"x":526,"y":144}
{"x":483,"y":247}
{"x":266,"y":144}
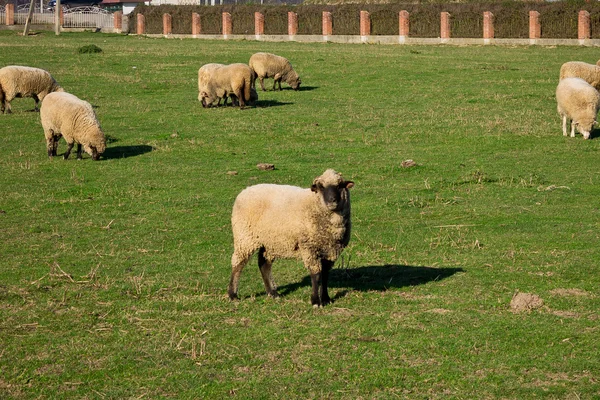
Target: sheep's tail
{"x":246,"y":88}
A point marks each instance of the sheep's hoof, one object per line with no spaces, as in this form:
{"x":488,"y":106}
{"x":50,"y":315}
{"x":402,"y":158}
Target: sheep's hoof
{"x":233,"y":297}
{"x":274,"y":294}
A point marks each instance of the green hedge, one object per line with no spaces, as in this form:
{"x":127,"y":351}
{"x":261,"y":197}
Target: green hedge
{"x":511,"y":18}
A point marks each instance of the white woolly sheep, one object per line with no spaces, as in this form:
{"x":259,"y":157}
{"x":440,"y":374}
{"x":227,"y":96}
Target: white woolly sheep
{"x":283,"y":221}
{"x":267,"y":65}
{"x":577,"y":69}
{"x":578,"y":102}
{"x":65,"y":114}
{"x":219,"y":81}
{"x":204,"y":82}
{"x":19,"y":81}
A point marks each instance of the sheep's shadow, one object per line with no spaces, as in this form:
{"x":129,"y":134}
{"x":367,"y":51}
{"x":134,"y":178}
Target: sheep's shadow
{"x":307,"y":88}
{"x":270,"y":103}
{"x":376,"y":278}
{"x":126,"y":151}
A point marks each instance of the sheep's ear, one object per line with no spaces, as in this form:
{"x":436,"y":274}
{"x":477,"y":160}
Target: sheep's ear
{"x":314,"y":187}
{"x":348,"y":184}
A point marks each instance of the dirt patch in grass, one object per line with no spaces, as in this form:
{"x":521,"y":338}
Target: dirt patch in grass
{"x":571,"y":293}
{"x":525,"y":302}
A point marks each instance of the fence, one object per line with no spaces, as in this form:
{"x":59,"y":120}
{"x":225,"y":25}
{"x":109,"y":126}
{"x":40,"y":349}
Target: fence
{"x":87,"y":17}
{"x":364,"y":33}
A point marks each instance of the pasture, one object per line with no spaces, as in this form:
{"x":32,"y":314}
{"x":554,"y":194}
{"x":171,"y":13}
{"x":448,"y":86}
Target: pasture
{"x":113,"y":274}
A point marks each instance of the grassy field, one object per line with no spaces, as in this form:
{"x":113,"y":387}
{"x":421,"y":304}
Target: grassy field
{"x":113,"y":274}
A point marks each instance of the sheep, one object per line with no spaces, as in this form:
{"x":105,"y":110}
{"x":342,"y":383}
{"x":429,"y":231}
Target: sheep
{"x":267,"y":65}
{"x":219,"y":81}
{"x":577,"y":69}
{"x":65,"y":114}
{"x":282,"y":221}
{"x":19,"y":81}
{"x":204,"y":81}
{"x":578,"y":102}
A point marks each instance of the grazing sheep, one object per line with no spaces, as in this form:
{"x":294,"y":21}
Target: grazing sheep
{"x":577,"y":69}
{"x":64,"y":113}
{"x":219,"y":81}
{"x":283,"y":221}
{"x":267,"y":65}
{"x":18,"y":81}
{"x":578,"y":102}
{"x":204,"y":82}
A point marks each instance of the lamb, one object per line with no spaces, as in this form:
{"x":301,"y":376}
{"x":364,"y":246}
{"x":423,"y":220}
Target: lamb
{"x":282,"y":221}
{"x":19,"y":81}
{"x":578,"y":102}
{"x":218,"y":81}
{"x":267,"y":65}
{"x":577,"y":69}
{"x":66,"y":114}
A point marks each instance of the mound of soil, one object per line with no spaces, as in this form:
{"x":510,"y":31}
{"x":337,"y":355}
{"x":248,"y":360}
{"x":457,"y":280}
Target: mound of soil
{"x":525,"y":302}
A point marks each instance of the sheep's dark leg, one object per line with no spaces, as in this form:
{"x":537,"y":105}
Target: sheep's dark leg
{"x":262,"y":84}
{"x":265,"y":270}
{"x":79,"y":157}
{"x":314,"y":297}
{"x":68,"y":152}
{"x":326,"y":266}
{"x":55,"y":138}
{"x":238,"y":262}
{"x":37,"y":103}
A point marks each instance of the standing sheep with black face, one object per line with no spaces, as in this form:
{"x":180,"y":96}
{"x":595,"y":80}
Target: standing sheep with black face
{"x":283,"y":221}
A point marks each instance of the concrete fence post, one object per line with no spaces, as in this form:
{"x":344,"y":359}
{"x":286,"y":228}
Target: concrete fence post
{"x":141,"y":24}
{"x":196,"y":28}
{"x":10,"y":14}
{"x":365,"y":25}
{"x":118,"y":21}
{"x":292,"y":24}
{"x":535,"y":29}
{"x":583,"y":26}
{"x":445,"y":26}
{"x":488,"y":27}
{"x":403,"y":25}
{"x":327,"y":25}
{"x":259,"y":24}
{"x":167,"y":24}
{"x":227,"y":24}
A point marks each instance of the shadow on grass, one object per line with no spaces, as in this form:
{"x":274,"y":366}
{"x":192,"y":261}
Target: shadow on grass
{"x":376,"y":277}
{"x":126,"y":151}
{"x":269,"y":103}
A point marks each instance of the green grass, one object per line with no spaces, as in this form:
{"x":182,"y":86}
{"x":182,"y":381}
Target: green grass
{"x":113,"y":274}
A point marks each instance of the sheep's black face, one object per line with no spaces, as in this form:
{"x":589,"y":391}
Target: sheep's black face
{"x":333,"y":195}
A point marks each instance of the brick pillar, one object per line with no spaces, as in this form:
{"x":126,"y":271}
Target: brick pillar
{"x":488,"y":27}
{"x":227,"y":24}
{"x":259,"y":24}
{"x":445,"y":26}
{"x":10,"y":14}
{"x":196,"y":28}
{"x":118,"y":21}
{"x":403,"y":22}
{"x":292,"y":23}
{"x":327,"y":24}
{"x":62,"y":16}
{"x":167,"y":24}
{"x":141,"y":24}
{"x":365,"y":25}
{"x":535,"y":29}
{"x":583,"y":25}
